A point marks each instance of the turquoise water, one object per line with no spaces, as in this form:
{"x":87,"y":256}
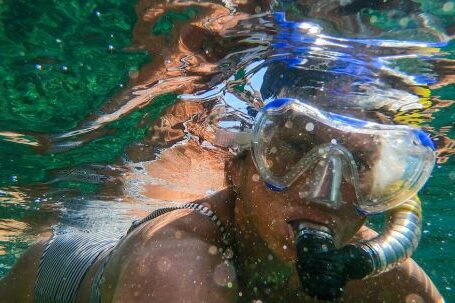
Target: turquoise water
{"x":63,"y":62}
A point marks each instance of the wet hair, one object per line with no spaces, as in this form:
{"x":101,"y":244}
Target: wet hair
{"x":228,"y":167}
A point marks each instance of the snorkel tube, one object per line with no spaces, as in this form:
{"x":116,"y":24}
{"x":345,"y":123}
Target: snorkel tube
{"x":325,"y":270}
{"x":400,"y":237}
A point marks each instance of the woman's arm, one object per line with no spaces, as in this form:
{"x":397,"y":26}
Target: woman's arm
{"x":19,"y":284}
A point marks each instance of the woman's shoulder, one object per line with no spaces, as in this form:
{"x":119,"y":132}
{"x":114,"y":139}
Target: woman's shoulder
{"x":208,"y":219}
{"x":204,"y":220}
{"x":182,"y":247}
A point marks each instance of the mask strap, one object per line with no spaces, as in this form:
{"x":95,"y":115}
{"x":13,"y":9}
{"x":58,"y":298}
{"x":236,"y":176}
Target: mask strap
{"x":237,"y":140}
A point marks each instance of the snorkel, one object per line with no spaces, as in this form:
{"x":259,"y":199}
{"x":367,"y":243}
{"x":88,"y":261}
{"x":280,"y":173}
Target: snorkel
{"x":323,"y":268}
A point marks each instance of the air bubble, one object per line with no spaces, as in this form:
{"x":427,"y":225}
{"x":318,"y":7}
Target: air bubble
{"x":448,"y":6}
{"x":404,"y":21}
{"x":133,"y":74}
{"x":164,"y":264}
{"x":213,"y":250}
{"x":178,"y":234}
{"x":255,"y":177}
{"x":414,"y":298}
{"x":224,"y":274}
{"x":228,"y":254}
{"x":309,"y":127}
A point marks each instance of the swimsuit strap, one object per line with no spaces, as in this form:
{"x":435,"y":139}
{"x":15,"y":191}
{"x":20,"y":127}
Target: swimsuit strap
{"x":65,"y":261}
{"x":200,"y":208}
{"x":226,"y":250}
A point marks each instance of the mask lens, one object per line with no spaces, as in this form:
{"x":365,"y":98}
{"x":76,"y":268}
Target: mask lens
{"x":284,"y":143}
{"x":401,"y":168}
{"x":383,"y":165}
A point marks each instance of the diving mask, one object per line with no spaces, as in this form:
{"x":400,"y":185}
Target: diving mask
{"x":381,"y":165}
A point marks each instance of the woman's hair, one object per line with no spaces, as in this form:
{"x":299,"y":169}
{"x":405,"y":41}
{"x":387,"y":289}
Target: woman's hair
{"x":229,"y":163}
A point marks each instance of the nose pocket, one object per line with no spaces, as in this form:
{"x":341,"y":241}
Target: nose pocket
{"x":325,"y":182}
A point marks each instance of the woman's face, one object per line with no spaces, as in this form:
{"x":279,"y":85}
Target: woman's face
{"x":272,"y":214}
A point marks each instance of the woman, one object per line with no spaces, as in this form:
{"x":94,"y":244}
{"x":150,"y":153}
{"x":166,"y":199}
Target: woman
{"x":278,"y":233}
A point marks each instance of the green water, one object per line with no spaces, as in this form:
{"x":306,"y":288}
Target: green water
{"x":59,"y":63}
{"x":58,"y":66}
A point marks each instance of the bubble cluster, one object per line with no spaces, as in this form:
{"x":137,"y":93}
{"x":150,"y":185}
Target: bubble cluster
{"x":164,"y":264}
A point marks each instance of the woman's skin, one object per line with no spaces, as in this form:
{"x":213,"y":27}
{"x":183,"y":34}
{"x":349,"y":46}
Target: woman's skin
{"x":175,"y":257}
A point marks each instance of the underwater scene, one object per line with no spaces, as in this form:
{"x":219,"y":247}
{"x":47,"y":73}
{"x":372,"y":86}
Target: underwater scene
{"x":111,"y":109}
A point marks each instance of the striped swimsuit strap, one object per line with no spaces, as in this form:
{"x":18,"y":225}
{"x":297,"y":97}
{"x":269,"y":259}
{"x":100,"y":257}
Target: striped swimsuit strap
{"x":226,"y":250}
{"x":198,"y":207}
{"x":65,"y":262}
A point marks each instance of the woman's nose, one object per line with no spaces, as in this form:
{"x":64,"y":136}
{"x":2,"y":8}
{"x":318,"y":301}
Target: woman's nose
{"x":324,"y":184}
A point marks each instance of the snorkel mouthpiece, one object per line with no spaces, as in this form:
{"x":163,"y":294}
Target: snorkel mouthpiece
{"x":316,"y":280}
